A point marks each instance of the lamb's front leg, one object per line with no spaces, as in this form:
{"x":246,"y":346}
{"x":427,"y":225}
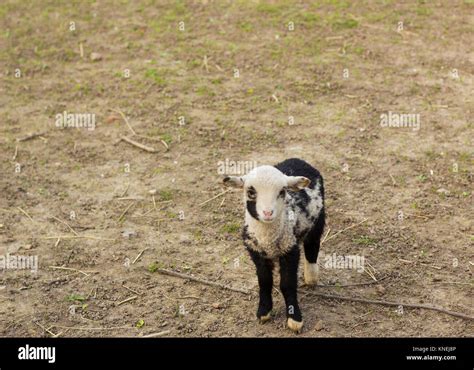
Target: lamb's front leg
{"x":265,"y":282}
{"x":288,"y":286}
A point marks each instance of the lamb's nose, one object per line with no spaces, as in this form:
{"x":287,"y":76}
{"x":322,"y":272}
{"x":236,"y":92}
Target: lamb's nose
{"x":267,"y":213}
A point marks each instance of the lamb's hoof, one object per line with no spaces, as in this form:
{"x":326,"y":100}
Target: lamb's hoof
{"x":295,"y":326}
{"x":265,"y":318}
{"x":311,"y":273}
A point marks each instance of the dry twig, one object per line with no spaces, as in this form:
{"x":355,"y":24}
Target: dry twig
{"x":154,"y":335}
{"x":125,"y":119}
{"x":25,"y":213}
{"x":77,"y":237}
{"x":54,"y":335}
{"x":341,"y":231}
{"x":393,"y":303}
{"x":72,"y":269}
{"x":65,"y":223}
{"x":139,"y":255}
{"x":138,"y":145}
{"x":31,"y":136}
{"x":202,"y":281}
{"x":125,"y":211}
{"x":215,"y":197}
{"x":127,"y":300}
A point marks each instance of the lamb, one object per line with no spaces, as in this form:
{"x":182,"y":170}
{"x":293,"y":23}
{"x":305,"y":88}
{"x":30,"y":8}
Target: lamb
{"x":284,"y":210}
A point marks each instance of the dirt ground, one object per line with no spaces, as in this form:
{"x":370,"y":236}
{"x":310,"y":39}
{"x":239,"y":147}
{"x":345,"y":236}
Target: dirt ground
{"x":237,"y":81}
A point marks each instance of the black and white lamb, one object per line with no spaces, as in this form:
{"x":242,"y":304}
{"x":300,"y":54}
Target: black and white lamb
{"x":284,"y":209}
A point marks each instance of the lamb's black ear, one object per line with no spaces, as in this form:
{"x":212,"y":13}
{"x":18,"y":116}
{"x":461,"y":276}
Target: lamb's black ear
{"x":296,"y":183}
{"x":233,"y":181}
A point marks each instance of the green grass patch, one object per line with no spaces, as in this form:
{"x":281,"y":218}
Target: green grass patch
{"x":155,"y":75}
{"x":217,"y":81}
{"x":205,"y":91}
{"x":343,"y":23}
{"x":269,"y":9}
{"x":423,"y":11}
{"x":75,"y":298}
{"x":245,"y":26}
{"x":231,"y":228}
{"x":153,"y":267}
{"x":167,"y":138}
{"x":364,"y":240}
{"x":165,"y":195}
{"x":310,"y":19}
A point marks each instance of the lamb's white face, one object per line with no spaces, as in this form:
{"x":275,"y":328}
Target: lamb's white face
{"x":265,"y":191}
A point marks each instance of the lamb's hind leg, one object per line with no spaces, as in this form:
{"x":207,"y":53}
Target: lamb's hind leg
{"x":265,"y":282}
{"x":311,"y":251}
{"x":288,"y":286}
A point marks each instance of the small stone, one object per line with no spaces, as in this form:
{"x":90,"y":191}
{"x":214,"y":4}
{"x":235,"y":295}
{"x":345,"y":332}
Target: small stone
{"x":112,"y":118}
{"x":217,"y":305}
{"x":28,"y":246}
{"x":319,"y":325}
{"x":129,"y":233}
{"x":185,"y":239}
{"x":152,"y":191}
{"x":380,"y":289}
{"x":95,"y":57}
{"x":443,"y":191}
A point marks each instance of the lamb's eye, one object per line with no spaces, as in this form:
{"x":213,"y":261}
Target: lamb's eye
{"x":251,"y":193}
{"x":282,"y":193}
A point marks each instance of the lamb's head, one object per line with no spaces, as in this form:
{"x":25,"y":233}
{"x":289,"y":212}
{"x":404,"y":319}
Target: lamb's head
{"x":265,"y":190}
